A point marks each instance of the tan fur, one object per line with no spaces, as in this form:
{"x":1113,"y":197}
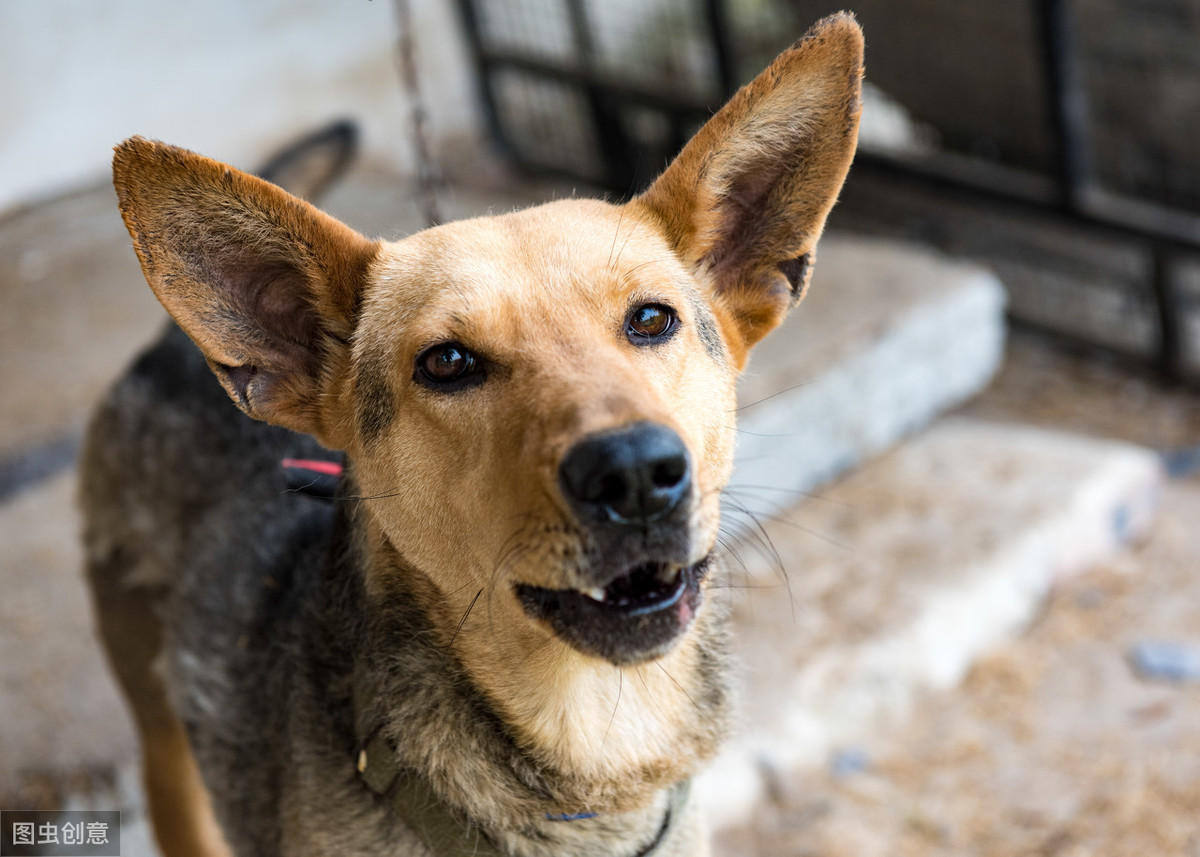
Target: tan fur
{"x":312,"y":327}
{"x":180,"y":805}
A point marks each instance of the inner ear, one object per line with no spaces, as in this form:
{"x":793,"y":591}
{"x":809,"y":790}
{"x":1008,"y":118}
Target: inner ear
{"x":273,"y":293}
{"x":285,"y":339}
{"x":756,"y":227}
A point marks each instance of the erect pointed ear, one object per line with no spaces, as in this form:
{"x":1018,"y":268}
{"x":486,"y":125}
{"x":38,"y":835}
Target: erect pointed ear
{"x":266,"y":285}
{"x":745,"y":201}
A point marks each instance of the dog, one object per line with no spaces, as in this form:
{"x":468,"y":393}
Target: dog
{"x":501,"y":634}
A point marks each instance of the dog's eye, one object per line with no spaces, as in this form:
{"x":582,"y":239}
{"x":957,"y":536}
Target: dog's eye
{"x":650,"y":322}
{"x":448,"y":367}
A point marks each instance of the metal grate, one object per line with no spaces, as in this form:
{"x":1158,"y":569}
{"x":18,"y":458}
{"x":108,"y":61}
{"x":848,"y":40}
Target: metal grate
{"x":609,"y":90}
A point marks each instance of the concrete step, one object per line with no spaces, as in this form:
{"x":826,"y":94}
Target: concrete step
{"x":900,"y":575}
{"x":889,"y":336}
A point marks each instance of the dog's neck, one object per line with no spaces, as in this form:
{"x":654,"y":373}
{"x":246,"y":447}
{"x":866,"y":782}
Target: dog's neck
{"x":538,"y":732}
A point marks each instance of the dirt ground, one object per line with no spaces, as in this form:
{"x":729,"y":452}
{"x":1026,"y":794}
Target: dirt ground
{"x":1053,"y":746}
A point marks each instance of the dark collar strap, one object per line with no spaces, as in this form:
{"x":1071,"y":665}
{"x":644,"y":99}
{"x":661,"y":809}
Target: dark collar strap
{"x":442,"y":830}
{"x":675,"y":809}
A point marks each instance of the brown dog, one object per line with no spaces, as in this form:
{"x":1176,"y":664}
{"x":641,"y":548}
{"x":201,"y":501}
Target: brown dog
{"x":497,"y":639}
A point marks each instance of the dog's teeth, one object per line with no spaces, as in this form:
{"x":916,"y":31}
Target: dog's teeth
{"x":667,"y":575}
{"x":595,"y":594}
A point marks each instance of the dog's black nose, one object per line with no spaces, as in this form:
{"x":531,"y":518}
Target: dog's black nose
{"x":635,"y":474}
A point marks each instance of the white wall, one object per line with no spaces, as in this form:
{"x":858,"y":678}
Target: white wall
{"x":232,"y":79}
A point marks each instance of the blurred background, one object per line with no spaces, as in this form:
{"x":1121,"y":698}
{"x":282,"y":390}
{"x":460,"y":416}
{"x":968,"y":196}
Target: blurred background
{"x":965,"y":522}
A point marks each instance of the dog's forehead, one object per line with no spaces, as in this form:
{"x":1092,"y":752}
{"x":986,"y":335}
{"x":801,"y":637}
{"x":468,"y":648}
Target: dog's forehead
{"x":585,"y":251}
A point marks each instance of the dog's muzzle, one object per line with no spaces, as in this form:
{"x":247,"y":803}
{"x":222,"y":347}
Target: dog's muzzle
{"x":631,"y":488}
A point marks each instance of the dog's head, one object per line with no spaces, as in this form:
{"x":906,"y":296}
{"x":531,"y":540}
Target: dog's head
{"x":540,"y":405}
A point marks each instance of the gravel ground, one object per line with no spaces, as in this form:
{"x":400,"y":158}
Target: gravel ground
{"x":1053,"y":746}
{"x":1044,"y":385}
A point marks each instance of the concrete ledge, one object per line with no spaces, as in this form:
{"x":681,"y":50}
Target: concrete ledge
{"x":904,"y":573}
{"x":890,"y":336}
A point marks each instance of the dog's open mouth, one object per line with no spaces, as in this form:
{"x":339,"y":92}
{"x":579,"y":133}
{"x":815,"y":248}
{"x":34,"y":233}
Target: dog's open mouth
{"x":648,"y":587}
{"x":634,"y":618}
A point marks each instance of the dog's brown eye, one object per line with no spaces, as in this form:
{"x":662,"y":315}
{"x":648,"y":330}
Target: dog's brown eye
{"x":650,"y":322}
{"x":446,"y":362}
{"x":448,"y":366}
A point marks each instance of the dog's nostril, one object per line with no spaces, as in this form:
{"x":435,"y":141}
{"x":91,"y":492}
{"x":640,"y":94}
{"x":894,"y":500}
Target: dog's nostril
{"x":669,"y":472}
{"x":612,"y":488}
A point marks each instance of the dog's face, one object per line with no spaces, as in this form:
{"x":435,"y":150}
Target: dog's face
{"x":538,"y":405}
{"x":548,"y":394}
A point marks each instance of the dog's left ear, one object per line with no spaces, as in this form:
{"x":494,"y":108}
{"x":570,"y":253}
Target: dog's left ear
{"x":745,"y":201}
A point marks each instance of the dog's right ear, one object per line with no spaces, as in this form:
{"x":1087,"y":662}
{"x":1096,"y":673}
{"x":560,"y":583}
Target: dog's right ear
{"x":268,"y":286}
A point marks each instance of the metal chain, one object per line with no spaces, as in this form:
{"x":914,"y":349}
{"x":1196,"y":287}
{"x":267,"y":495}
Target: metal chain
{"x":429,"y":176}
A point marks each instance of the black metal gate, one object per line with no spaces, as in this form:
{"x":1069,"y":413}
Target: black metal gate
{"x":606,"y":91}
